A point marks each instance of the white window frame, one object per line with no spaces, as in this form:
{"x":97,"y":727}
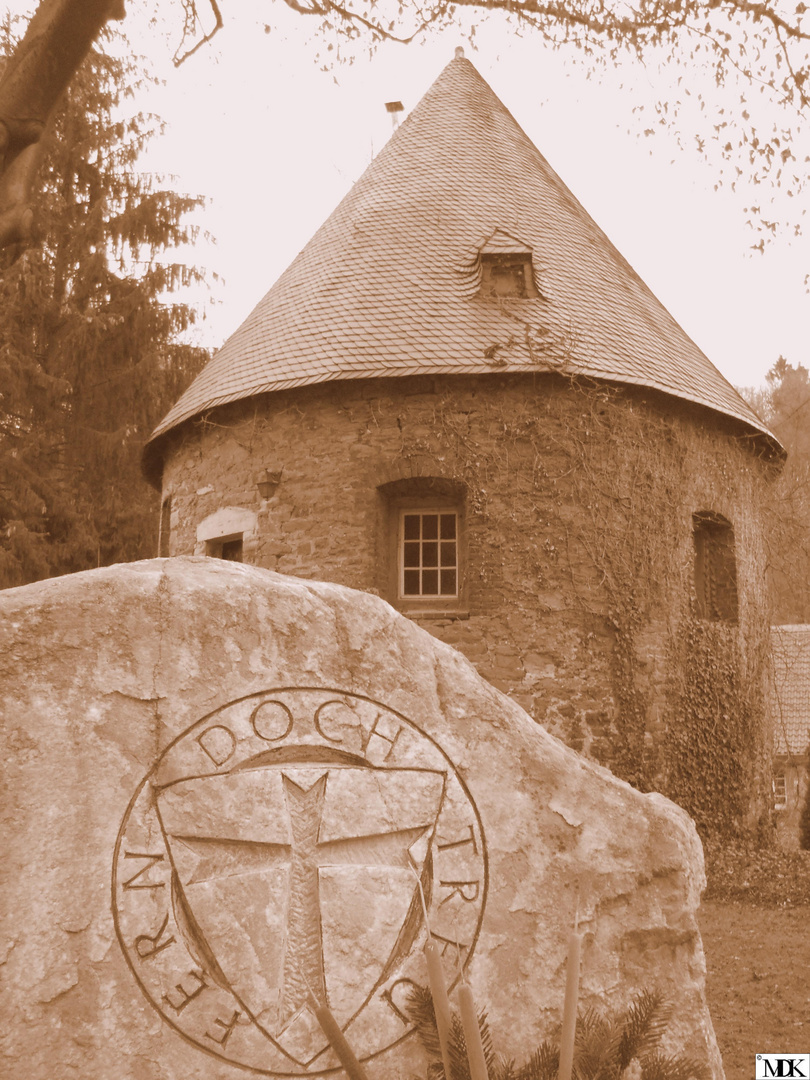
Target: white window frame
{"x":422,"y":597}
{"x":780,"y":794}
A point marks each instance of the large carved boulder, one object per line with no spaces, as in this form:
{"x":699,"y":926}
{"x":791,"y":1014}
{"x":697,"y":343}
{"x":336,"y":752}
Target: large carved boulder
{"x":222,"y":790}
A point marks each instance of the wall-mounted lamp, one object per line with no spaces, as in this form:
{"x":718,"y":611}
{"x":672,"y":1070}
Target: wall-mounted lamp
{"x":268,"y":482}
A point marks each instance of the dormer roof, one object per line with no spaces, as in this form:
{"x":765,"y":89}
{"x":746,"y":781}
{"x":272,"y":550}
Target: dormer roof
{"x":390,"y":283}
{"x":501,"y":243}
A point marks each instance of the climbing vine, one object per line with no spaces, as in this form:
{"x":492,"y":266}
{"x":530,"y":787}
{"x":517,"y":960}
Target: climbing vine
{"x":599,"y":486}
{"x":712,"y":743}
{"x":580,"y":505}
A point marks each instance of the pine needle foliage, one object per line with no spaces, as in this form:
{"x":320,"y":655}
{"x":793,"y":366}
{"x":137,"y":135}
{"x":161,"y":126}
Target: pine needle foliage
{"x":607,"y":1044}
{"x":91,"y":349}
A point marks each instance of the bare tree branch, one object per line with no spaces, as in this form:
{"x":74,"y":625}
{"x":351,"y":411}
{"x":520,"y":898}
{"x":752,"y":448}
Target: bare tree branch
{"x":767,"y":41}
{"x":192,"y":18}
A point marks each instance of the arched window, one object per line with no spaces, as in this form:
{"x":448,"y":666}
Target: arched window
{"x":715,"y":567}
{"x":425,"y":544}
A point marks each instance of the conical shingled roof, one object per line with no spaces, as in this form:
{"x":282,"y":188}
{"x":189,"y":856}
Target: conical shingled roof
{"x":389,"y":285}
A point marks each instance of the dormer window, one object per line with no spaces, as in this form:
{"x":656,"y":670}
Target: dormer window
{"x":506,"y":268}
{"x":507,"y":275}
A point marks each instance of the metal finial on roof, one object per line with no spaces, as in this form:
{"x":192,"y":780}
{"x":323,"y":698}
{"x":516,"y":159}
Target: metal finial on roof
{"x":394,"y":108}
{"x":459,"y":53}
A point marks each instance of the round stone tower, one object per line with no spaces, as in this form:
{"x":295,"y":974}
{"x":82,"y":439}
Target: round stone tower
{"x":461,"y":397}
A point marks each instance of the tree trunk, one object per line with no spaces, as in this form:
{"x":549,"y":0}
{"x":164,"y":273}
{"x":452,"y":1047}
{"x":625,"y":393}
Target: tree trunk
{"x":58,"y":38}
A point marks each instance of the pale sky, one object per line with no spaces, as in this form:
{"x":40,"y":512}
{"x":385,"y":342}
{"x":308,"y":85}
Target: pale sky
{"x":274,"y":143}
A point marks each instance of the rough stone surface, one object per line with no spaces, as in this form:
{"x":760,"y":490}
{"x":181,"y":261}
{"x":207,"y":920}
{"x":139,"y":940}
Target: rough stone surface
{"x":534,"y":609}
{"x":221,"y":785}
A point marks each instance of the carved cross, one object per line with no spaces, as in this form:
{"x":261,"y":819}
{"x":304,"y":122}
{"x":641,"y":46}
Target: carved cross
{"x":303,"y":958}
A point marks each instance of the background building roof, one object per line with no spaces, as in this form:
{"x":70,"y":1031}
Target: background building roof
{"x":388,"y":286}
{"x":791,"y":689}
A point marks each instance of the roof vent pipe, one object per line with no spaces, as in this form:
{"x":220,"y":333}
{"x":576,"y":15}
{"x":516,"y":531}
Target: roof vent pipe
{"x":394,"y":108}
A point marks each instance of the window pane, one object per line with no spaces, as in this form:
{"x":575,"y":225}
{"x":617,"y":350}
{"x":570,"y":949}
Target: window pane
{"x":780,"y":791}
{"x":410,"y":585}
{"x":448,"y":526}
{"x":411,"y":554}
{"x":411,"y":526}
{"x":430,"y":554}
{"x":505,"y":275}
{"x":508,"y":281}
{"x":430,"y":582}
{"x":430,"y":527}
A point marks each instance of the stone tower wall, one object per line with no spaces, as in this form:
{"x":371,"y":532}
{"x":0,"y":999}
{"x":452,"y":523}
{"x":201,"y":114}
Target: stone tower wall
{"x":577,"y":503}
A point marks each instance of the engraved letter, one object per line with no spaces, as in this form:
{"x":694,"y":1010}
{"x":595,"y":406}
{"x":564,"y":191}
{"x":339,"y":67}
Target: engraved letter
{"x":227,"y":1025}
{"x":218,"y":743}
{"x":335,"y":713}
{"x":443,"y":844}
{"x":272,"y":721}
{"x":152,"y":860}
{"x":384,"y":730}
{"x":458,"y":947}
{"x":186,"y":996}
{"x":155,"y":945}
{"x":388,"y":995}
{"x":457,"y":889}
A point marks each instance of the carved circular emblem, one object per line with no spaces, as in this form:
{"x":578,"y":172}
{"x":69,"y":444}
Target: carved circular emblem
{"x":276,"y":848}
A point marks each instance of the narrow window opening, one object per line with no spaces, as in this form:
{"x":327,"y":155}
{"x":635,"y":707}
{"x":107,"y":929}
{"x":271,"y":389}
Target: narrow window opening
{"x":226,"y":547}
{"x":715,"y":568}
{"x":164,"y":536}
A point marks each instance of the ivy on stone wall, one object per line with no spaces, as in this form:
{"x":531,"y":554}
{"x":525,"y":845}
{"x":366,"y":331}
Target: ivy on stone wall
{"x":578,"y":515}
{"x":711,"y":744}
{"x":633,"y":468}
